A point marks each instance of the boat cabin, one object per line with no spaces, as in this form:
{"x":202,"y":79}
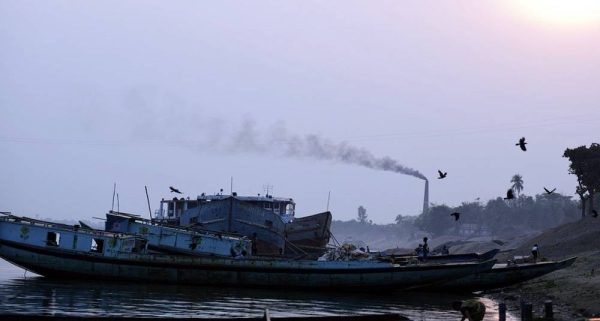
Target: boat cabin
{"x":71,"y":238}
{"x":173,"y":208}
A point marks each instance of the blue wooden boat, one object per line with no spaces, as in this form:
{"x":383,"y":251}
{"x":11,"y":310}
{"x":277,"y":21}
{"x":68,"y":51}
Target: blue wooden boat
{"x":273,"y":219}
{"x":58,"y":250}
{"x":177,"y":240}
{"x":464,"y":257}
{"x":503,"y":275}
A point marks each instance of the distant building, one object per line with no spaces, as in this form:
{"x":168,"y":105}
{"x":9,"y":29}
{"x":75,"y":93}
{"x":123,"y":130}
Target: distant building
{"x":468,"y":229}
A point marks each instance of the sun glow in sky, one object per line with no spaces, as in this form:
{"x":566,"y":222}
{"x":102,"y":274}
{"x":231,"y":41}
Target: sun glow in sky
{"x":574,"y":13}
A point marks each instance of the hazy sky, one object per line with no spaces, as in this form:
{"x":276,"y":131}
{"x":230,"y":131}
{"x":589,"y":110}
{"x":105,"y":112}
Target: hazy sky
{"x":299,"y":95}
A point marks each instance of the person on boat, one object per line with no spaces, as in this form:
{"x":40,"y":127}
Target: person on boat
{"x":419,"y":252}
{"x":425,"y":249}
{"x":241,"y":255}
{"x":254,"y":244}
{"x":445,"y":250}
{"x":534,"y":252}
{"x":472,"y":310}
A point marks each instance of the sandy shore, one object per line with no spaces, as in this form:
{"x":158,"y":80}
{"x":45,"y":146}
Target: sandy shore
{"x":574,"y":291}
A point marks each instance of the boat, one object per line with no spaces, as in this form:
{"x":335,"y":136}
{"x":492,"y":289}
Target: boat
{"x":273,"y":219}
{"x":464,"y":257}
{"x":177,"y":240}
{"x":65,"y":251}
{"x":502,"y":275}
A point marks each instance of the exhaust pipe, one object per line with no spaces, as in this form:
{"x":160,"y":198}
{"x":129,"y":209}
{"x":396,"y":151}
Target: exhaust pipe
{"x":426,"y":197}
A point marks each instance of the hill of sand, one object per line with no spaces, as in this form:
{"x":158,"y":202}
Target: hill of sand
{"x":574,"y":291}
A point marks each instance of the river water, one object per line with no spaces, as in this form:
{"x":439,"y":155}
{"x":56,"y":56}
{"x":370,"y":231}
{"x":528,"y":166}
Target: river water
{"x":25,"y":293}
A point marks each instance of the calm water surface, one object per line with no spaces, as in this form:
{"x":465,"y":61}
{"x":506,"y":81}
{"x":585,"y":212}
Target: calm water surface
{"x":26,"y":293}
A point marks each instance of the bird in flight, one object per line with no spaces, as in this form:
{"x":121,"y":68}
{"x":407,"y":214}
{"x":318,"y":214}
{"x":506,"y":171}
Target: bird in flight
{"x":509,"y":194}
{"x":522,"y":144}
{"x":549,"y":192}
{"x":173,"y":189}
{"x":456,"y":215}
{"x":595,"y":214}
{"x":442,"y":175}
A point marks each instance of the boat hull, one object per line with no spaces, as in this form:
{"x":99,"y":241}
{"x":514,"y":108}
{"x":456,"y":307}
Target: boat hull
{"x":465,"y":257}
{"x":502,"y":275}
{"x":230,"y":272}
{"x":308,"y":234}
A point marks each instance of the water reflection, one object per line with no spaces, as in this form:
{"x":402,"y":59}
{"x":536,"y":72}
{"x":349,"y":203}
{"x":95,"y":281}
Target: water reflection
{"x":39,"y":295}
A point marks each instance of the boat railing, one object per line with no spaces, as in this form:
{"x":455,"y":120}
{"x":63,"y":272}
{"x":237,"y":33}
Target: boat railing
{"x":138,"y":219}
{"x":60,"y":226}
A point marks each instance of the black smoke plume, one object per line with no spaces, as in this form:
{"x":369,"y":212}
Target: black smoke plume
{"x":315,"y":147}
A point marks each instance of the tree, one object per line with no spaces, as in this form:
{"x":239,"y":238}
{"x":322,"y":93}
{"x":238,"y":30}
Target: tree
{"x":472,"y":212}
{"x":407,"y":222}
{"x":362,"y":214}
{"x":435,"y":221}
{"x":517,"y":181}
{"x":581,"y":191}
{"x":585,"y":164}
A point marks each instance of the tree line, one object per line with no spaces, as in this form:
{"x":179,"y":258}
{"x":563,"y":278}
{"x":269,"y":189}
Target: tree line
{"x":505,"y":217}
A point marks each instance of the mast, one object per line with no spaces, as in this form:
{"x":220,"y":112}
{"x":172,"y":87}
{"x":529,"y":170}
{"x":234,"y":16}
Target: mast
{"x":113,"y":201}
{"x":148,"y":199}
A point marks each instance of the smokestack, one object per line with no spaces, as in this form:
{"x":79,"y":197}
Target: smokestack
{"x":426,"y":197}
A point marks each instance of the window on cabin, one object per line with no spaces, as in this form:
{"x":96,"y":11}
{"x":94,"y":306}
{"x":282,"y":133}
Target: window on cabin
{"x":268,"y":205}
{"x":170,"y":209}
{"x":192,"y":204}
{"x":52,"y":239}
{"x":289,"y":209}
{"x":97,"y":246}
{"x":140,"y":246}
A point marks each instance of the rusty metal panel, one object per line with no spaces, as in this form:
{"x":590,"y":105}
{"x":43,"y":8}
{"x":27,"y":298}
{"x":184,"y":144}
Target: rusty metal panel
{"x":216,"y":277}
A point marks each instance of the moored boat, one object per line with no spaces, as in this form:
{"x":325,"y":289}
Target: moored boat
{"x":273,"y":219}
{"x":463,"y":257}
{"x":503,"y":275}
{"x":58,"y":250}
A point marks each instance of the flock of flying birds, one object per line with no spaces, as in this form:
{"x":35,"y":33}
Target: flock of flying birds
{"x":509,"y":194}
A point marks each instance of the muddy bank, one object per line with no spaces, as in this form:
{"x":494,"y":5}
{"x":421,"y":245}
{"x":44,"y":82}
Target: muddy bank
{"x":574,"y":291}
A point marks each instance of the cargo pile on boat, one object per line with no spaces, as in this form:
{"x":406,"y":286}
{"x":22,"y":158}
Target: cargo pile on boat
{"x":347,"y":252}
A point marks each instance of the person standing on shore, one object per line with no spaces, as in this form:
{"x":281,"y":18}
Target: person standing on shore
{"x":534,"y":252}
{"x":445,"y":250}
{"x":472,"y":310}
{"x":425,"y":249}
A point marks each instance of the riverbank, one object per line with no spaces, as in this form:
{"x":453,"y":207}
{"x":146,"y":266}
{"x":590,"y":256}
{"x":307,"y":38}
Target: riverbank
{"x":574,"y":291}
